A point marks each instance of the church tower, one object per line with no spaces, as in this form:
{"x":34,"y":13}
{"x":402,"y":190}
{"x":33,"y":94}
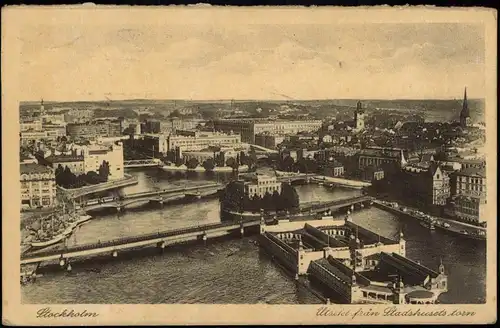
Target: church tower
{"x":359,"y":118}
{"x":464,"y":114}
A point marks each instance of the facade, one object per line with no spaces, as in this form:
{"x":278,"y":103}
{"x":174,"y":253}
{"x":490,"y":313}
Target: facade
{"x":356,"y":264}
{"x":202,"y":140}
{"x":74,"y":162}
{"x":92,"y":130}
{"x":267,"y":140}
{"x":426,"y":186}
{"x":468,"y":201}
{"x":359,"y":118}
{"x":94,"y":155}
{"x":380,"y":156}
{"x":35,"y":125}
{"x":151,"y":126}
{"x":372,"y":173}
{"x":38,"y":186}
{"x":259,"y":185}
{"x":53,"y":118}
{"x":248,"y":128}
{"x":334,"y":169}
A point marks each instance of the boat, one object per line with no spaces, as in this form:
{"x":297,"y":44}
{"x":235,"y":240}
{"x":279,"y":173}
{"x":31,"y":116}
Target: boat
{"x":53,"y":241}
{"x":428,"y":224}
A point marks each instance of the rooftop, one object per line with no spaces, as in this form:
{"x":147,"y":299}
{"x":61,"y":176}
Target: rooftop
{"x":64,"y":158}
{"x":473,"y":172}
{"x":34,"y":168}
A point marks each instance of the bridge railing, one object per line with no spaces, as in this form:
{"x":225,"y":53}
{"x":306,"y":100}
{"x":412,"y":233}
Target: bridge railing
{"x":127,"y":240}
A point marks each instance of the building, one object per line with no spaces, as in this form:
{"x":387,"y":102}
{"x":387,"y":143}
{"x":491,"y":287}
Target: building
{"x":38,"y":186}
{"x":468,"y":195}
{"x":151,"y":126}
{"x":372,"y":173}
{"x":464,"y":114}
{"x":359,"y":118}
{"x":267,"y":140}
{"x":78,"y":116}
{"x":94,"y":155}
{"x":354,"y":264}
{"x":53,"y":118}
{"x":333,"y":169}
{"x":92,"y":130}
{"x":201,"y":156}
{"x":248,"y":128}
{"x":55,"y":130}
{"x":254,"y":184}
{"x":425,"y":186}
{"x":74,"y":162}
{"x":32,"y":125}
{"x":380,"y":156}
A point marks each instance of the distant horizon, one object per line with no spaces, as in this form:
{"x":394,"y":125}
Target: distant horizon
{"x":246,"y":100}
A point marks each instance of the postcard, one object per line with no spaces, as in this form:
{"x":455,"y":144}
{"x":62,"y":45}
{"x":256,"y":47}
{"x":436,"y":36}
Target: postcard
{"x":248,"y":165}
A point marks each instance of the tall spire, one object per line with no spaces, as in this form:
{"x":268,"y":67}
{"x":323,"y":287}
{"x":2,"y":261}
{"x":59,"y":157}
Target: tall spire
{"x":464,"y":114}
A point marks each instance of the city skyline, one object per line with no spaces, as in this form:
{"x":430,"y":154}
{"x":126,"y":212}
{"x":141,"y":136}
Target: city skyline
{"x":153,"y":60}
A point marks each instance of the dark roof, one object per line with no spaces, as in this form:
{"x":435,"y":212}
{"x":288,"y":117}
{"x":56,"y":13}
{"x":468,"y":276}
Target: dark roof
{"x":420,"y":294}
{"x":473,"y":172}
{"x":34,"y":168}
{"x":63,"y":158}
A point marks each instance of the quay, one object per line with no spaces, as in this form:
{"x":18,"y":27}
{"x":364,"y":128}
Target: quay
{"x":159,"y":239}
{"x":454,"y":227}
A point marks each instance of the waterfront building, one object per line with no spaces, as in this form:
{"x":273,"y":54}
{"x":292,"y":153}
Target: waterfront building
{"x":465,"y":120}
{"x":38,"y":186}
{"x":254,"y":184}
{"x":198,"y":140}
{"x":333,"y":169}
{"x":95,"y":154}
{"x":468,"y":195}
{"x":248,"y":128}
{"x":355,"y":263}
{"x":425,"y":186}
{"x":92,"y":130}
{"x":372,"y":173}
{"x":205,"y":154}
{"x":359,"y":118}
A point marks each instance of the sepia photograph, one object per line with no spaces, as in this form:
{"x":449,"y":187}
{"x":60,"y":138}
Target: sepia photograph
{"x":223,"y":156}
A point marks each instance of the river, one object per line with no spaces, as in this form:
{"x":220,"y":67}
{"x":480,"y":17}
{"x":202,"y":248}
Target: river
{"x":230,"y":271}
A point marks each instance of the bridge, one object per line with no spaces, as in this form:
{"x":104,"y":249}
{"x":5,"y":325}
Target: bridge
{"x":158,"y":196}
{"x":150,"y":162}
{"x":348,"y":203}
{"x":160,"y":239}
{"x":306,"y":177}
{"x":263,"y":150}
{"x":87,"y":190}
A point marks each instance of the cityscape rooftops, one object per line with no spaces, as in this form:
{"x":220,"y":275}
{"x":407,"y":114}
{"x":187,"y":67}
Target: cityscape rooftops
{"x":31,"y":168}
{"x":472,"y":172}
{"x":64,"y":158}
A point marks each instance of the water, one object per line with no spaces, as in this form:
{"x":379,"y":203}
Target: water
{"x":231,"y":271}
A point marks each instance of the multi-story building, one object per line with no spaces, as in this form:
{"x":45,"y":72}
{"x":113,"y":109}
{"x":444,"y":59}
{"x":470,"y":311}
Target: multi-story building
{"x":425,"y":186}
{"x":74,"y":162}
{"x":248,"y":128}
{"x":53,"y":118}
{"x":78,"y":116}
{"x":55,"y":130}
{"x":268,"y":140}
{"x":151,"y":126}
{"x":33,"y":125}
{"x":259,"y":184}
{"x":380,"y":156}
{"x":372,"y":173}
{"x":38,"y":186}
{"x":334,"y":169}
{"x":92,"y":130}
{"x":94,"y":155}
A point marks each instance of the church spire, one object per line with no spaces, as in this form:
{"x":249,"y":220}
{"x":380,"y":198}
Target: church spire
{"x":464,"y":114}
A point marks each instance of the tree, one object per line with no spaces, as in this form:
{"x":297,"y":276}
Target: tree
{"x":251,"y":158}
{"x":287,"y":164}
{"x":192,"y":163}
{"x":289,"y":196}
{"x":267,"y":202}
{"x":104,"y":171}
{"x":277,"y":201}
{"x":231,"y":162}
{"x":209,"y":164}
{"x":232,"y":198}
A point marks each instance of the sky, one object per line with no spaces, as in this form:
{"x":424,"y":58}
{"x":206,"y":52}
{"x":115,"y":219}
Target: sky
{"x":158,"y":60}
